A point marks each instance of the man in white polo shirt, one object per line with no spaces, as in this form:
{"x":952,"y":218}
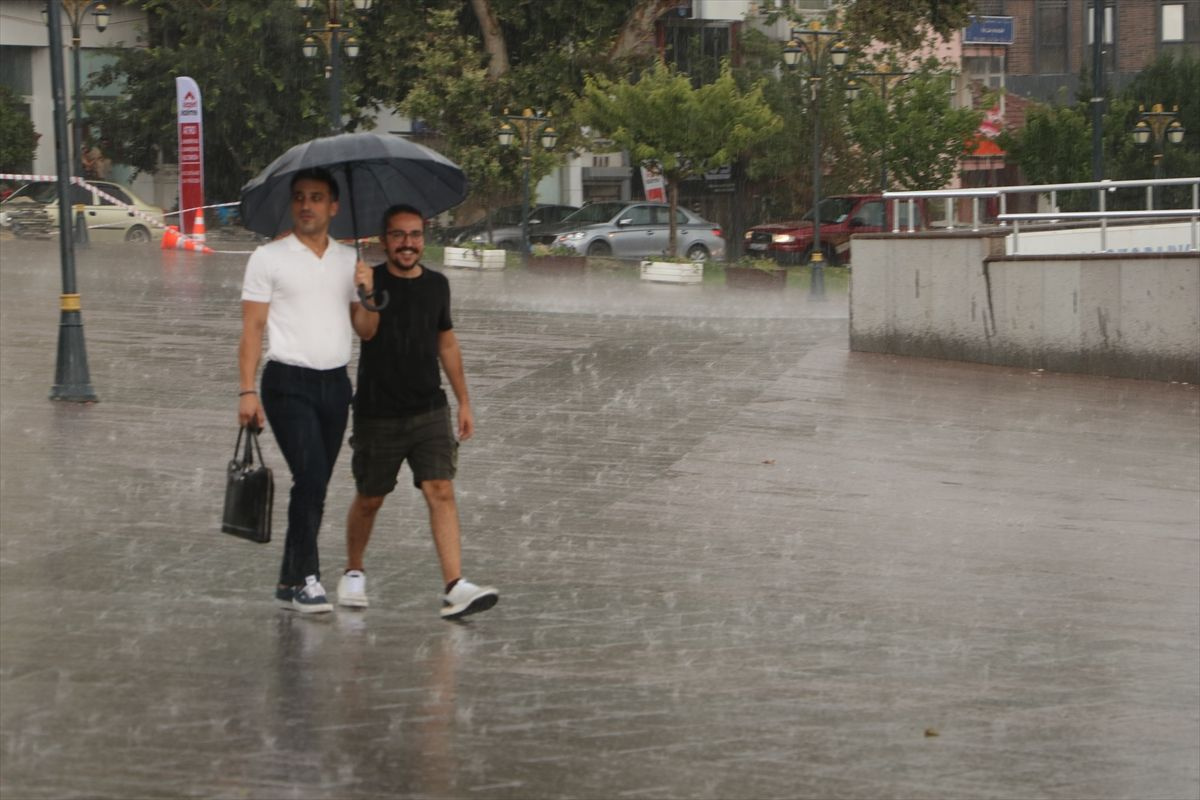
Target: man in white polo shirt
{"x":300,"y":290}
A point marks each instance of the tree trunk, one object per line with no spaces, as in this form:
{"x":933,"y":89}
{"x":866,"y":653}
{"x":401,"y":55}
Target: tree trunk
{"x":737,"y":217}
{"x":637,"y":35}
{"x":673,"y":196}
{"x":493,"y":38}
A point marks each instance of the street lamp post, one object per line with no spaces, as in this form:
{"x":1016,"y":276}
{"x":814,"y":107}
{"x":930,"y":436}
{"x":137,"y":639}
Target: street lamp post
{"x":75,"y":10}
{"x":336,"y":35}
{"x":528,"y":125}
{"x":1159,"y":127}
{"x":72,"y":381}
{"x":816,"y":47}
{"x":882,"y":80}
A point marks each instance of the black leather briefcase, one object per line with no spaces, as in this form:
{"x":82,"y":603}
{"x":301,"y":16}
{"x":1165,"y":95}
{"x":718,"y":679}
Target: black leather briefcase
{"x":249,"y":492}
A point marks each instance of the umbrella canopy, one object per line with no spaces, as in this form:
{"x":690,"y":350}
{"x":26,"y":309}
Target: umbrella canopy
{"x":373,"y":171}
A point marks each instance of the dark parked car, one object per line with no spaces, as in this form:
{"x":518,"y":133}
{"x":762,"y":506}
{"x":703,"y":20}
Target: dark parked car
{"x":635,"y":230}
{"x":506,"y":225}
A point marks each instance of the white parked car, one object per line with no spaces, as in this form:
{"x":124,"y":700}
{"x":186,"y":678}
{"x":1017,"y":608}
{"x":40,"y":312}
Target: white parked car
{"x":33,"y":210}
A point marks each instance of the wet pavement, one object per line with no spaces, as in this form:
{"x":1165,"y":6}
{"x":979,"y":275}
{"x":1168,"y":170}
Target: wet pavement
{"x":736,"y":561}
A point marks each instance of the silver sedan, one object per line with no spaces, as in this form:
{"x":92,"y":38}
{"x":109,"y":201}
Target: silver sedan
{"x":635,"y":230}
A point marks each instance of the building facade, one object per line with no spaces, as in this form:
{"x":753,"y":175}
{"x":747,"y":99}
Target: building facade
{"x":25,"y":68}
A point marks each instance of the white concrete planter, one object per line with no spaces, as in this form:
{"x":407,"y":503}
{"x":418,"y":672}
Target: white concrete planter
{"x":673,"y":272}
{"x":469,"y":258}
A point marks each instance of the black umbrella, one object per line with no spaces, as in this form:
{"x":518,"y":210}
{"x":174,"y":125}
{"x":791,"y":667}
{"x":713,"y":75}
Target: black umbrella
{"x":373,"y":171}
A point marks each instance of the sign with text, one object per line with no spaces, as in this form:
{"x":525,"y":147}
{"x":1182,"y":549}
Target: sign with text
{"x":989,"y":30}
{"x":190,"y":123}
{"x":655,"y":184}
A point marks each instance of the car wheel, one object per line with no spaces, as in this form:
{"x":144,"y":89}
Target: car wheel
{"x":599,"y":249}
{"x":697,"y":252}
{"x":137,"y":234}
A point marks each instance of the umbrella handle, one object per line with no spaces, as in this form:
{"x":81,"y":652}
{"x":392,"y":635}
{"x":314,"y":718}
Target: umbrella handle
{"x":365,"y":299}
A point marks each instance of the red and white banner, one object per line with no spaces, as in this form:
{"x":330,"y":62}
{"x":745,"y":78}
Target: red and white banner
{"x":655,"y":185}
{"x":191,"y":151}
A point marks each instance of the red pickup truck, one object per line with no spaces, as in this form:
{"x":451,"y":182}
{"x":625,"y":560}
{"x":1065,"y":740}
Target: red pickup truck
{"x":841,"y":216}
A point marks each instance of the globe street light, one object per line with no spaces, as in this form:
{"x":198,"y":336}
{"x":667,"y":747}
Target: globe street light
{"x":816,"y":49}
{"x":528,"y":125}
{"x":334,"y":36}
{"x":1159,"y":127}
{"x":881,"y":81}
{"x":75,"y":9}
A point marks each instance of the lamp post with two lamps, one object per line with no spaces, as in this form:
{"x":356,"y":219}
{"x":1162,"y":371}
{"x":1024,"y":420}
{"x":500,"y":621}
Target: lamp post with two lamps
{"x":528,"y":125}
{"x":75,"y":11}
{"x":334,"y":36}
{"x":1160,"y":127}
{"x":816,"y":48}
{"x":882,"y":80}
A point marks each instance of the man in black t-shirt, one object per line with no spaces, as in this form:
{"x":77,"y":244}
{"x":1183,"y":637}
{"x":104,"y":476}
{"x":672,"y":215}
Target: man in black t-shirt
{"x":401,"y":412}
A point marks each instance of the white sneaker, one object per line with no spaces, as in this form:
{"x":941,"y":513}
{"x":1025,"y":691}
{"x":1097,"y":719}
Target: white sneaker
{"x":352,"y":590}
{"x":467,"y":598}
{"x":310,"y":598}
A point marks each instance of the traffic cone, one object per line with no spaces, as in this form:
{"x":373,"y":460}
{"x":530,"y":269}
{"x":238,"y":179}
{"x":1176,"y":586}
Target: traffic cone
{"x":174,"y":240}
{"x":194,"y":247}
{"x":198,"y":226}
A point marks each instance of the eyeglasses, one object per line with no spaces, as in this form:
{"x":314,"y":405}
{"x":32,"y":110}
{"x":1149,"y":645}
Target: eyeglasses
{"x":399,"y":236}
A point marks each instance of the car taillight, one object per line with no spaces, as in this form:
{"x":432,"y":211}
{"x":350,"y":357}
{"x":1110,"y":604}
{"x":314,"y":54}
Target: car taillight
{"x":717,"y":232}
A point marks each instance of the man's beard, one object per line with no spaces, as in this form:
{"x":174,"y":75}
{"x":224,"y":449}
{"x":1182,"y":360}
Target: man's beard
{"x":395,"y":259}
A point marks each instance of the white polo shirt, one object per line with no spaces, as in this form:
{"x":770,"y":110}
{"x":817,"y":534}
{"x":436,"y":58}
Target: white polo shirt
{"x":308,"y":324}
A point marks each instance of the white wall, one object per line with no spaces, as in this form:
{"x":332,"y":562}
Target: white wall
{"x":955,"y":296}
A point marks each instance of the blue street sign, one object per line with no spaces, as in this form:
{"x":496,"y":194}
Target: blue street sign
{"x":989,"y":30}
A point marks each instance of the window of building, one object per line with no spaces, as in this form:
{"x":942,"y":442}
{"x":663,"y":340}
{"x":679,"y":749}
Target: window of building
{"x":696,"y":47}
{"x":91,"y":62}
{"x":986,"y":70}
{"x":1180,"y":22}
{"x":1110,"y":47}
{"x":1051,"y":42}
{"x":16,"y":69}
{"x":1090,"y":24}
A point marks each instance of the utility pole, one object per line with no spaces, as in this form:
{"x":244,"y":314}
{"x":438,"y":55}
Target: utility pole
{"x":1097,"y":101}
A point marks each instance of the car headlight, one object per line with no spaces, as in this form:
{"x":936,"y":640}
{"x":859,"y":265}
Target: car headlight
{"x":783,"y":238}
{"x":749,"y":235}
{"x":573,"y":236}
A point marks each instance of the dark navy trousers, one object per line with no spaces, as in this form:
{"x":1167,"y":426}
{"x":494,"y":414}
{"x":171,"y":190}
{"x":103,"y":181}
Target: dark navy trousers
{"x":307,"y":410}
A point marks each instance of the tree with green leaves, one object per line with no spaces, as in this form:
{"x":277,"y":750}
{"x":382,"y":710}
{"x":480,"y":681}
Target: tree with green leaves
{"x":1054,"y":146}
{"x":18,"y":140}
{"x":455,"y":67}
{"x":260,"y":94}
{"x":905,"y":23}
{"x":916,"y":133}
{"x":664,"y":121}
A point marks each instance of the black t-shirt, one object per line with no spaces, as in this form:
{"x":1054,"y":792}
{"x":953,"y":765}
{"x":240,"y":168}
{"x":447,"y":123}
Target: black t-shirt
{"x":398,"y":369}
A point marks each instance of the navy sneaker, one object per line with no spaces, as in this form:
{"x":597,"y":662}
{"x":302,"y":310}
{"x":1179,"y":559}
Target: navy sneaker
{"x":284,"y":595}
{"x":310,"y":598}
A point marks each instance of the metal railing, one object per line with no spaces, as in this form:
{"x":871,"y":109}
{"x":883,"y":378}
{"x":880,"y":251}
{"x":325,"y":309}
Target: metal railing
{"x":1004,"y":218}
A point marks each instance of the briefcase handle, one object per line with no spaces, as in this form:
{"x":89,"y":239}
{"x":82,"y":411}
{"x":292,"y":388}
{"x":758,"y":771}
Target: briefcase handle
{"x":251,"y":432}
